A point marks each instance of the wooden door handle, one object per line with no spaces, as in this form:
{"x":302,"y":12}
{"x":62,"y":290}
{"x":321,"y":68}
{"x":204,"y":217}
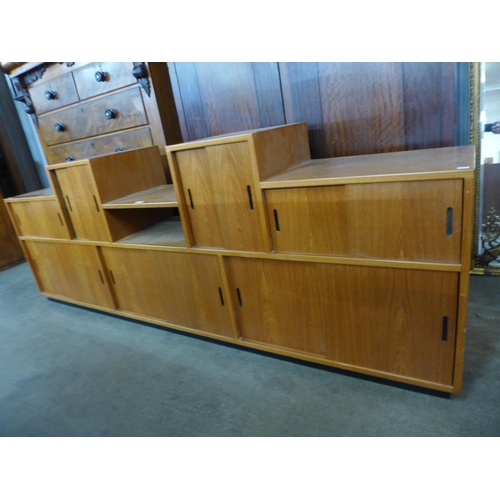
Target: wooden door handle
{"x":69,"y":204}
{"x":96,"y":204}
{"x":221,"y":296}
{"x":239,"y":297}
{"x":276,"y":220}
{"x":250,"y":199}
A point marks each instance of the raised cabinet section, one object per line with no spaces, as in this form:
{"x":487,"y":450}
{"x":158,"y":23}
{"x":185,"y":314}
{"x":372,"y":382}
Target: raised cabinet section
{"x":418,"y":221}
{"x":391,"y":321}
{"x":80,"y":195}
{"x":218,"y":178}
{"x":70,"y":271}
{"x":39,"y":214}
{"x":85,"y":190}
{"x":180,"y":289}
{"x":223,"y":199}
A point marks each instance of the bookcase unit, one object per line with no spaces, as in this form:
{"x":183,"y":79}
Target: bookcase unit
{"x":360,"y":263}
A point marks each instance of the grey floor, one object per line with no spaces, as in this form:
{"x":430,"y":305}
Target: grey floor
{"x":68,"y":371}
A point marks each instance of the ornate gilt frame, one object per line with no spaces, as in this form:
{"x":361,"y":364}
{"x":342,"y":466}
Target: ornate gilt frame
{"x":476,"y":106}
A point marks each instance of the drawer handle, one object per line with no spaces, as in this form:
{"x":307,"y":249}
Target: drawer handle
{"x":119,"y":150}
{"x":101,"y":76}
{"x":110,"y":114}
{"x":60,"y":127}
{"x":70,"y":158}
{"x":449,"y":222}
{"x":50,"y":95}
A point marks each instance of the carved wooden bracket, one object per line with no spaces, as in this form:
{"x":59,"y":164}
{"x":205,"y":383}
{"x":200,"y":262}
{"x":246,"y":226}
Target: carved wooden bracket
{"x":490,"y":239}
{"x":140,"y":71}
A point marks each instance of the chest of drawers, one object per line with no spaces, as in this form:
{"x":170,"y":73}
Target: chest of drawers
{"x":83,"y":110}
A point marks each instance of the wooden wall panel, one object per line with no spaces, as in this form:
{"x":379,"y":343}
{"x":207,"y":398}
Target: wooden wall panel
{"x":302,"y":102}
{"x":363,"y":109}
{"x":429,"y":100}
{"x":220,"y":98}
{"x":350,"y":108}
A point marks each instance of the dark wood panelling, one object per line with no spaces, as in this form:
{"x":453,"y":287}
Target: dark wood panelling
{"x":267,"y":86}
{"x":191,"y":105}
{"x":220,"y":98}
{"x":448,"y":104}
{"x":362,"y":106}
{"x":429,"y":99}
{"x":302,"y":102}
{"x":350,"y":108}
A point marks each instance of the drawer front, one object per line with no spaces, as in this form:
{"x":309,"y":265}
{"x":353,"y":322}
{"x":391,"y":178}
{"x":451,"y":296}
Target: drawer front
{"x":83,"y":150}
{"x":39,"y":218}
{"x":89,"y":119}
{"x":98,"y":78}
{"x":416,"y":221}
{"x":54,"y":94}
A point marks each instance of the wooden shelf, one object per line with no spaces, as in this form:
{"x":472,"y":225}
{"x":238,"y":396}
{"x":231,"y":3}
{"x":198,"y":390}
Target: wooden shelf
{"x":157,"y":197}
{"x":384,"y":167}
{"x":167,"y":233}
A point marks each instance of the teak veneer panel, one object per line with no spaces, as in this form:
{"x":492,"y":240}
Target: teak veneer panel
{"x":223,"y":200}
{"x":180,"y":288}
{"x":70,"y":270}
{"x":39,"y":217}
{"x":81,"y":198}
{"x":417,"y":221}
{"x":391,"y":320}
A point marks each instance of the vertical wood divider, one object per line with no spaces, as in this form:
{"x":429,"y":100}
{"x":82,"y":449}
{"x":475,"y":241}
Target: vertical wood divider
{"x":182,"y":205}
{"x":463,"y":286}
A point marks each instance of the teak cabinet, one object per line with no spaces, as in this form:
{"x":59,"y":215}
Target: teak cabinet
{"x":360,"y":263}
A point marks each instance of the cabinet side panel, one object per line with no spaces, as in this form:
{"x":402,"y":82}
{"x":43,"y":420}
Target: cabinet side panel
{"x":281,"y":148}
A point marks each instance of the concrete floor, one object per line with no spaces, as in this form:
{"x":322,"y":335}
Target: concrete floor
{"x":68,"y":371}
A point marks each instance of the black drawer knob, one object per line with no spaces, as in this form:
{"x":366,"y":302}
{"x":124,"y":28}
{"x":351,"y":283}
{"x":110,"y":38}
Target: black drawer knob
{"x":101,"y":76}
{"x":119,"y":150}
{"x":60,"y":127}
{"x":70,"y":158}
{"x":110,"y":114}
{"x":50,"y":95}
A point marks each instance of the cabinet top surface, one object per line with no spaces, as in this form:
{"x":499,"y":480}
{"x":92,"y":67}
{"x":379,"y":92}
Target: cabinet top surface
{"x":45,"y":193}
{"x":453,"y":162}
{"x":227,"y":138}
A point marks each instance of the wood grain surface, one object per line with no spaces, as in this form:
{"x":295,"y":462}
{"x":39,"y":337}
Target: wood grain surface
{"x":181,"y":289}
{"x":350,"y":108}
{"x":70,"y":270}
{"x":394,"y":220}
